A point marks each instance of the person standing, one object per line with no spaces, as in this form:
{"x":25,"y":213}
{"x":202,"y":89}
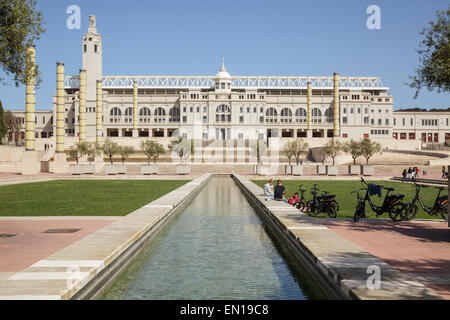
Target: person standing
{"x":417,"y":172}
{"x":409,"y":173}
{"x":404,"y":174}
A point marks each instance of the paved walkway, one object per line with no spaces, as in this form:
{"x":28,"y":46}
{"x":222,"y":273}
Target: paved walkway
{"x":25,"y":240}
{"x":419,"y":249}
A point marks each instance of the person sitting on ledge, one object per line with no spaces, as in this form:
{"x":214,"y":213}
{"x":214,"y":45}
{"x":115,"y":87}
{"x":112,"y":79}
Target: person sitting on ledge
{"x":268,"y":188}
{"x":280,"y":192}
{"x":293,"y":199}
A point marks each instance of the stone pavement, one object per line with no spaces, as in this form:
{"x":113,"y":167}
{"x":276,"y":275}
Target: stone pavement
{"x":344,"y":261}
{"x":80,"y":259}
{"x":420,"y":249}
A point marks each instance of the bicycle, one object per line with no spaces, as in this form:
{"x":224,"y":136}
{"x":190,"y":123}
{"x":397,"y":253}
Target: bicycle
{"x":301,"y":204}
{"x":391,"y":204}
{"x":325,"y":203}
{"x":440,"y":205}
{"x":360,"y":211}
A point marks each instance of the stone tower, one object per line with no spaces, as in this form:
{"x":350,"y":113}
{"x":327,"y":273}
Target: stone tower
{"x":92,"y":58}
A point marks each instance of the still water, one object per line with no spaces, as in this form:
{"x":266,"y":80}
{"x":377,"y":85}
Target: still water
{"x":217,"y":248}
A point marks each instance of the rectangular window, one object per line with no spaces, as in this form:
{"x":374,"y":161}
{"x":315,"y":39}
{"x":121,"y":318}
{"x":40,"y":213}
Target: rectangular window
{"x":184,"y":119}
{"x":366,"y":120}
{"x":95,"y":48}
{"x":261,"y":119}
{"x":412,"y":121}
{"x":387,"y":122}
{"x":344,"y":120}
{"x":412,"y":136}
{"x":241,"y":119}
{"x":372,"y":121}
{"x":205,"y":119}
{"x":85,"y":48}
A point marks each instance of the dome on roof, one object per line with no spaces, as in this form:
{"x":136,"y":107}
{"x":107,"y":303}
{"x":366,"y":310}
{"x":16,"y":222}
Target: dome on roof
{"x":223,"y":74}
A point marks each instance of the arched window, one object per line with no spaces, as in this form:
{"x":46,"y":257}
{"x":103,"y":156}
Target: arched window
{"x":129,"y":115}
{"x":116,"y":112}
{"x":129,"y":112}
{"x":329,"y":114}
{"x":316,"y":115}
{"x":144,"y":115}
{"x":271,"y":115}
{"x":174,"y":114}
{"x":115,"y":115}
{"x":286,"y":115}
{"x":160,"y":115}
{"x":223,"y":113}
{"x":301,"y":116}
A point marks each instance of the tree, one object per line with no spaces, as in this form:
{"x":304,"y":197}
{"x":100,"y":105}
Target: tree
{"x":323,"y":155}
{"x":332,"y":149}
{"x":152,"y":149}
{"x":369,"y":148}
{"x":302,"y":147}
{"x":12,"y":125}
{"x":181,"y":147}
{"x":93,"y":150}
{"x":354,"y":149}
{"x":434,"y":56}
{"x":260,"y":150}
{"x":20,"y":25}
{"x":110,"y":148}
{"x":290,"y":149}
{"x":2,"y":124}
{"x":78,"y":150}
{"x":125,"y":152}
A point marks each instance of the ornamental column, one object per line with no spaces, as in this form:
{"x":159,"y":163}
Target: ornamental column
{"x":99,"y":113}
{"x":135,"y":109}
{"x":30,"y":163}
{"x":60,"y":116}
{"x":82,"y":108}
{"x":336,"y":107}
{"x":309,"y":111}
{"x":30,"y":101}
{"x":59,"y":159}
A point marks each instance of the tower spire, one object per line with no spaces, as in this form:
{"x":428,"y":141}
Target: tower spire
{"x":223,"y":69}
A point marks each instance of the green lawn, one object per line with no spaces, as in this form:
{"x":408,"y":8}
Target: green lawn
{"x":82,"y":197}
{"x":347,"y":201}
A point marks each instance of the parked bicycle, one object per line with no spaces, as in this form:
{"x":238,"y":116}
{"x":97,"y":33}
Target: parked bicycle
{"x":326,"y":203}
{"x":360,"y":211}
{"x":440,"y":206}
{"x":391,"y":204}
{"x":301,"y":204}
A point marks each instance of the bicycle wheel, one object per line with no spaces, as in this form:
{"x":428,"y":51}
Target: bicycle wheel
{"x":397,"y":212}
{"x":301,"y":205}
{"x":410,"y":212}
{"x":359,"y":212}
{"x":444,"y":213}
{"x":332,"y":210}
{"x":311,"y":209}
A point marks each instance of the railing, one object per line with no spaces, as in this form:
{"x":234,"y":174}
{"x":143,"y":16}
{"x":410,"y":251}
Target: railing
{"x":239,"y":82}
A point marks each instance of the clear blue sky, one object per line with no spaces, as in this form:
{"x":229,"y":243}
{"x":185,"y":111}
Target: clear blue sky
{"x":256,"y":37}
